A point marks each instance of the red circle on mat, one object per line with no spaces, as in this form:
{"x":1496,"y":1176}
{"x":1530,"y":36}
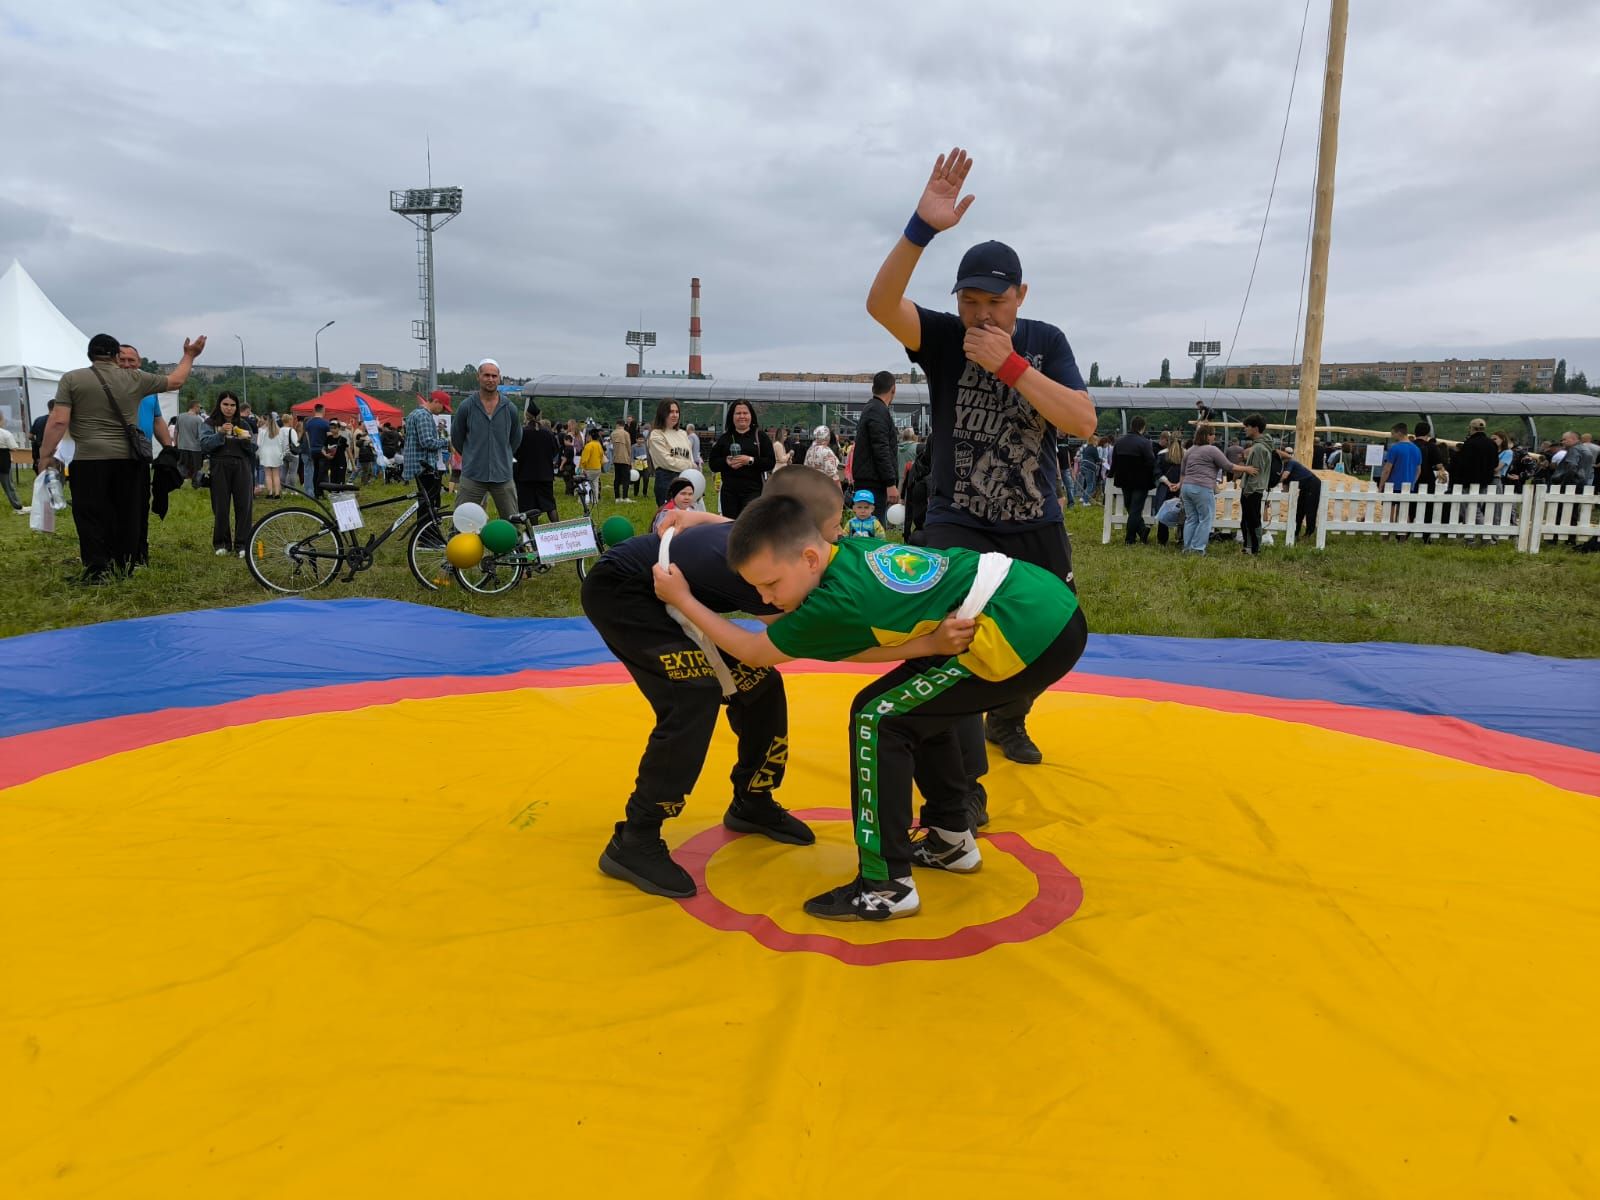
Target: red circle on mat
{"x":1060,"y":894}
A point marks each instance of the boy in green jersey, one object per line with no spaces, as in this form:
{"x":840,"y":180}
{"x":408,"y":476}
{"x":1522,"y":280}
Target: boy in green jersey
{"x":1026,"y":631}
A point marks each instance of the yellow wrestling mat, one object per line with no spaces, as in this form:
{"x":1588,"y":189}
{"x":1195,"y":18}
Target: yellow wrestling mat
{"x":367,"y":953}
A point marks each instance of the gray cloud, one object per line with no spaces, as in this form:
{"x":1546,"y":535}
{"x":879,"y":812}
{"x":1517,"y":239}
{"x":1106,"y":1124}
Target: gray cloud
{"x":230,"y":173}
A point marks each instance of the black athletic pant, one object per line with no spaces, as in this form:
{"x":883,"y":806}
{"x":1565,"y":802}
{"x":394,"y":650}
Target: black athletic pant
{"x":621,"y":480}
{"x":233,"y":482}
{"x":105,"y":508}
{"x":538,"y":495}
{"x":427,"y":481}
{"x":1047,"y":547}
{"x":904,"y":724}
{"x":1137,"y":530}
{"x":1250,"y":520}
{"x":1306,"y":510}
{"x":732,"y":503}
{"x":676,"y":679}
{"x":141,"y":555}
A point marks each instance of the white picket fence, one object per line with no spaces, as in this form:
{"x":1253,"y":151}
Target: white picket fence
{"x":1277,"y":512}
{"x":1447,"y":513}
{"x":1561,"y":512}
{"x":1528,"y":518}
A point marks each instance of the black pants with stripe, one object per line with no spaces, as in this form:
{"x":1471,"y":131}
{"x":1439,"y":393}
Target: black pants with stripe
{"x":681,"y":688}
{"x":911,"y":716}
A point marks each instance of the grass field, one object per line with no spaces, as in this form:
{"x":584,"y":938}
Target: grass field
{"x":1359,"y":589}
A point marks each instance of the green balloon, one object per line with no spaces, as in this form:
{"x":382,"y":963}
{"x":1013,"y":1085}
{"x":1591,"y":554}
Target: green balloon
{"x":616,"y":529}
{"x":499,"y":537}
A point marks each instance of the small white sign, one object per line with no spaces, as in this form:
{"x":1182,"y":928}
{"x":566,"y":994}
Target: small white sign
{"x":565,"y":540}
{"x":347,"y":513}
{"x":1374,"y":455}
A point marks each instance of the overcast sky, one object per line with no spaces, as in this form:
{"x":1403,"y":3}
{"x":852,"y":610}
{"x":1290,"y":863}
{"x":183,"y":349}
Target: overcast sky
{"x":224,"y":168}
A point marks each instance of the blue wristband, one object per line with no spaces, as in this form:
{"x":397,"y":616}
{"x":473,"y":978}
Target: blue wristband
{"x":918,"y":231}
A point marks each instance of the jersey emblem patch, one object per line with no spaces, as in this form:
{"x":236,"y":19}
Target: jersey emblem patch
{"x":906,"y":569}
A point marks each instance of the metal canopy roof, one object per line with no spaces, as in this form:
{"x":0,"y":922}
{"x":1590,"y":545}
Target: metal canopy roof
{"x":1236,"y":400}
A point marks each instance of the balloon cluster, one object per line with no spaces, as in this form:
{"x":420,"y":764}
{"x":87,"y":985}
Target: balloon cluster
{"x":476,"y":536}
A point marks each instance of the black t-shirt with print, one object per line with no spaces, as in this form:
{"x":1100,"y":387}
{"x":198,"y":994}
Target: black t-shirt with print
{"x":994,"y":455}
{"x":701,"y":554}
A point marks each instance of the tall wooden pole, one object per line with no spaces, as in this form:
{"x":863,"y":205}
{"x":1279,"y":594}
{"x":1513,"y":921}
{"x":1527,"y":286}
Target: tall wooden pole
{"x":1311,"y":359}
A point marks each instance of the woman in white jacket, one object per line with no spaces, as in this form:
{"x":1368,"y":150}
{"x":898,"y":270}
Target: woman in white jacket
{"x":668,"y":448}
{"x":273,"y":445}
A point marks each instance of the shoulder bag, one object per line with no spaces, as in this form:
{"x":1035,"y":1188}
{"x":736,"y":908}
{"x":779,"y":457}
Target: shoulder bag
{"x":138,"y":440}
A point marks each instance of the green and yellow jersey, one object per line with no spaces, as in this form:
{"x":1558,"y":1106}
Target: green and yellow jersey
{"x":876,"y":594}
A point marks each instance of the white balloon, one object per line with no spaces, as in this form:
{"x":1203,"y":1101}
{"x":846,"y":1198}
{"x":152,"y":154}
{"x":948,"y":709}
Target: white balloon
{"x":896,"y":515}
{"x":697,"y":479}
{"x":633,"y":475}
{"x":469,"y":518}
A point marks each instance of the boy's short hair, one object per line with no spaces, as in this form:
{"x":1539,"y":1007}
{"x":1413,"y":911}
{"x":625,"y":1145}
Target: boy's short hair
{"x":781,"y":524}
{"x":819,"y":494}
{"x":1257,"y":422}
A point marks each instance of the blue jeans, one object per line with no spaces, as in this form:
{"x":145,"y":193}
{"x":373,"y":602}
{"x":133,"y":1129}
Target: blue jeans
{"x":308,"y":472}
{"x":1199,"y":513}
{"x":1088,"y":478}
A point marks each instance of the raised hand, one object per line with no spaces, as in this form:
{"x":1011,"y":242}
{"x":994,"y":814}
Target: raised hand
{"x":194,"y":348}
{"x":942,"y":204}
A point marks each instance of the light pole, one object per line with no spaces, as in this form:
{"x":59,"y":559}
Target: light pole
{"x":244,"y":380}
{"x":317,"y":350}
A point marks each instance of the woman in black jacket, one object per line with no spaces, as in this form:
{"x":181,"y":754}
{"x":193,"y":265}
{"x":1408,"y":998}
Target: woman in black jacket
{"x":233,"y":475}
{"x":743,"y":456}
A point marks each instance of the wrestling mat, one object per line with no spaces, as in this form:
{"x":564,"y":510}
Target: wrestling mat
{"x":301,"y":900}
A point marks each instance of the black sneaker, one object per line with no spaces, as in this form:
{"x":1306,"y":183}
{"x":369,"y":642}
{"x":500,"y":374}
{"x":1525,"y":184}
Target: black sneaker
{"x":866,"y":900}
{"x":977,"y":805}
{"x":1013,"y":740}
{"x":946,"y":850}
{"x":644,"y":862}
{"x":748,"y":814}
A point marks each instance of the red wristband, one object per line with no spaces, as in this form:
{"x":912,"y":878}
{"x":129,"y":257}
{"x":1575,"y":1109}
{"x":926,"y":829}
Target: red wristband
{"x":1012,"y":369}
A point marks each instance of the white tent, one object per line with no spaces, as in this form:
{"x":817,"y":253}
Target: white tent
{"x":37,"y":346}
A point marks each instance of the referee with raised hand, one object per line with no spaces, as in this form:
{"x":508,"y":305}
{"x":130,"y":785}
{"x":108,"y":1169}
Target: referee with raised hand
{"x":1000,"y":387}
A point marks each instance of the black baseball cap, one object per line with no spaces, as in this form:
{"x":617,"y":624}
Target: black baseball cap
{"x":992,"y":266}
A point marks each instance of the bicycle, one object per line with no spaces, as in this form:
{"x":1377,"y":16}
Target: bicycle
{"x":298,"y":549}
{"x":497,"y":573}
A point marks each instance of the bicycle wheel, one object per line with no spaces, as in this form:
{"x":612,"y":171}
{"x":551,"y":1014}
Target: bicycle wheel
{"x":425,"y":553}
{"x":294,"y":550}
{"x":497,"y":573}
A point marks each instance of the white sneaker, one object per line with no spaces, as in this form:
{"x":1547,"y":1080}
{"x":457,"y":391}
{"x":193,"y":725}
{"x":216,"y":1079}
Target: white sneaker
{"x":946,"y":850}
{"x":220,"y":552}
{"x":24,"y":510}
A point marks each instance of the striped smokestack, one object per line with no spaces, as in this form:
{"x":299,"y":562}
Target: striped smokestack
{"x":694,"y":329}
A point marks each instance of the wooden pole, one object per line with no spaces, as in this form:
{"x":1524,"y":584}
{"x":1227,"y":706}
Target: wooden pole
{"x":1311,"y":359}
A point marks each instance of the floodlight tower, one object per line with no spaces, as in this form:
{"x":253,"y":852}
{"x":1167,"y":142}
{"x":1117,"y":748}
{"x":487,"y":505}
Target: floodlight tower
{"x":1203,"y":351}
{"x":428,"y":209}
{"x":641,"y":340}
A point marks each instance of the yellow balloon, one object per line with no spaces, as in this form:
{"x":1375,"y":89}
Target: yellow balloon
{"x":465,"y":550}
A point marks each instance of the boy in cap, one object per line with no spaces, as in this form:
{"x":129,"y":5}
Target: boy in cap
{"x":863,"y":524}
{"x":1016,"y":629}
{"x":999,"y":388}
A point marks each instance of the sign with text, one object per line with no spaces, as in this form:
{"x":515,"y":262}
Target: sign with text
{"x":347,"y":513}
{"x":1374,"y":455}
{"x":565,"y":540}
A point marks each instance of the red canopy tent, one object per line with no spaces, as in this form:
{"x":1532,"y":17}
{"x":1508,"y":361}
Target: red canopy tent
{"x":341,"y":403}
